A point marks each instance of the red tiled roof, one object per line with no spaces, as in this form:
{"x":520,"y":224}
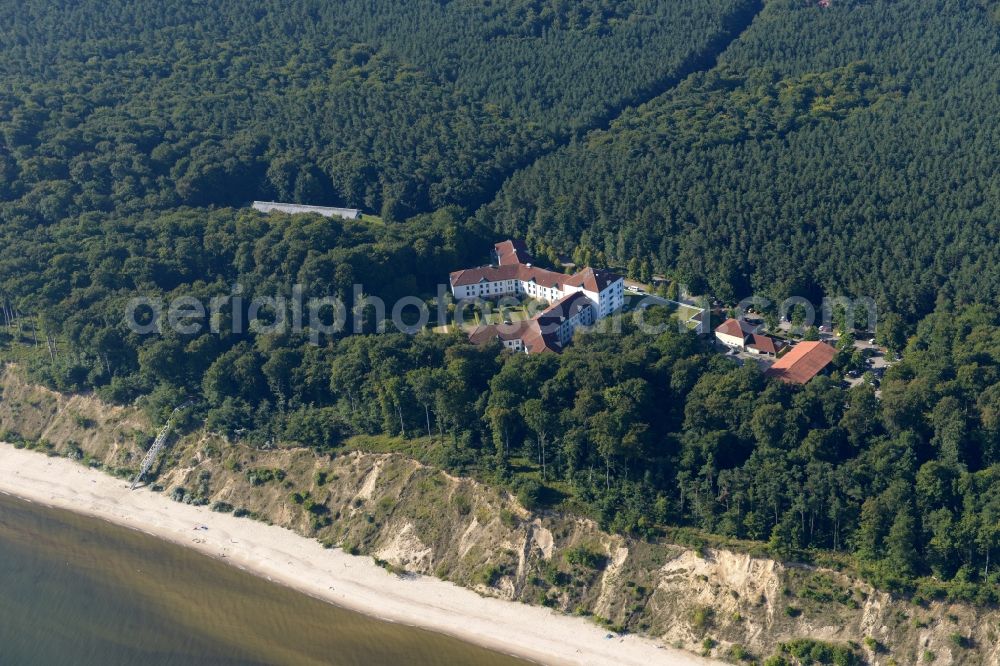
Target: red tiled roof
{"x":505,"y":332}
{"x":528,"y":332}
{"x":803,"y":362}
{"x":521,"y":272}
{"x":511,"y":252}
{"x":593,"y":280}
{"x":765,"y":343}
{"x":483,"y":334}
{"x":730,"y":327}
{"x":590,"y":279}
{"x":535,"y":340}
{"x":736,"y":328}
{"x":566,"y":307}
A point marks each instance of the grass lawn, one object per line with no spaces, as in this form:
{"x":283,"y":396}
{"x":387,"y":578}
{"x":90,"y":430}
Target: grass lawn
{"x":444,"y":330}
{"x":475,"y":319}
{"x":21,"y":347}
{"x":371,"y":219}
{"x":685,"y":312}
{"x":515,"y":314}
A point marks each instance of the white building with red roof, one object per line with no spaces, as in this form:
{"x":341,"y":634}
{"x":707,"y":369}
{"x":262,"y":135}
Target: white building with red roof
{"x":576,"y":300}
{"x":734,"y":333}
{"x":764,"y":345}
{"x":511,"y":252}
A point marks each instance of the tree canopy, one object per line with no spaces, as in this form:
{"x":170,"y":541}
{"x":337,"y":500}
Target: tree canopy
{"x":783,"y":147}
{"x":847,"y":150}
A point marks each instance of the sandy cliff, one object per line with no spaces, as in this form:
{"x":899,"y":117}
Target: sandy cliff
{"x":414,"y":518}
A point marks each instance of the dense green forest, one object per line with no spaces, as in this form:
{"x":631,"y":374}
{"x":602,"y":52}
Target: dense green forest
{"x":396,"y":108}
{"x":849,"y":150}
{"x":639,"y":431}
{"x":846,"y":150}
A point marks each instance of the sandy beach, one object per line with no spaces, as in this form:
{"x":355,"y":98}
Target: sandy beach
{"x":353,"y":582}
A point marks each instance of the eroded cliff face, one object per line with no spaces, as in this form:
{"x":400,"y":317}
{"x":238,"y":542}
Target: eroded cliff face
{"x":417,"y":519}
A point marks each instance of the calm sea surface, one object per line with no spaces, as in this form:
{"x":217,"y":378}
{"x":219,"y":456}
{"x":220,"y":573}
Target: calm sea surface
{"x":81,"y":592}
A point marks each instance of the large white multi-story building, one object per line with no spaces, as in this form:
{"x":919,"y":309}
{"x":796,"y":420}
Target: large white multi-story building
{"x":576,"y":300}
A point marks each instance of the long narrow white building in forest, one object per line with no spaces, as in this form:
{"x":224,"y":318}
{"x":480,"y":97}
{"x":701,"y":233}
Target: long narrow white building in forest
{"x":299,"y":209}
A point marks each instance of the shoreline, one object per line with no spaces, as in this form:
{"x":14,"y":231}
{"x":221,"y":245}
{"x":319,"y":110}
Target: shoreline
{"x":352,"y":582}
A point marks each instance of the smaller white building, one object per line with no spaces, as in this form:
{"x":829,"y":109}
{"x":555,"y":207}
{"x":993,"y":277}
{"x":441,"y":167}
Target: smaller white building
{"x":733,"y":333}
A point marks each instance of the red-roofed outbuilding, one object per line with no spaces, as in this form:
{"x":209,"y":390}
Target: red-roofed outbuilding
{"x":803,"y":362}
